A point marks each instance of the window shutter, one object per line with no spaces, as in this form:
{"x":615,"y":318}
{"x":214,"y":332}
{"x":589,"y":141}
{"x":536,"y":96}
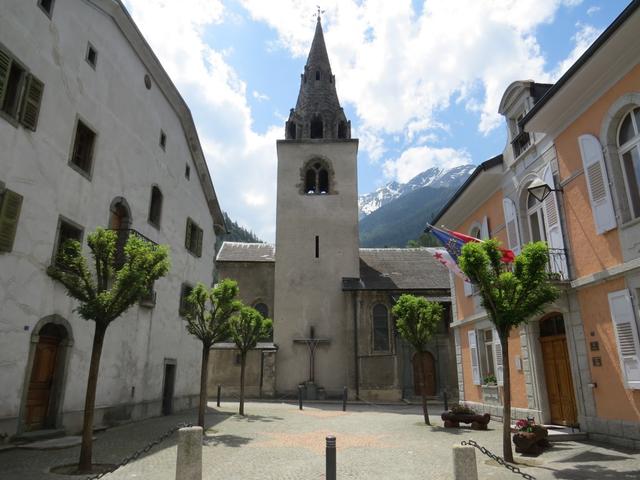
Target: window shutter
{"x":199,"y":242}
{"x":187,"y":236}
{"x":511,"y":221}
{"x":497,"y":356}
{"x":484,"y":229}
{"x":468,"y":288}
{"x":554,"y":227}
{"x":31,"y":102}
{"x":473,"y":351}
{"x":5,"y":66}
{"x":597,"y":183}
{"x":9,"y":214}
{"x":626,"y":330}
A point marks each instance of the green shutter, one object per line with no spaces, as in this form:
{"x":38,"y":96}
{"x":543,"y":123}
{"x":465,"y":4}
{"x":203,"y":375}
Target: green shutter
{"x":187,"y":236}
{"x":5,"y":66}
{"x":199,"y":244}
{"x":31,"y":102}
{"x":9,"y":214}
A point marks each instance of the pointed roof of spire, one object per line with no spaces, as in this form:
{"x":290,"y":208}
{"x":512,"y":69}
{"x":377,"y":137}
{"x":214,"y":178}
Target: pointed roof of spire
{"x":318,"y":56}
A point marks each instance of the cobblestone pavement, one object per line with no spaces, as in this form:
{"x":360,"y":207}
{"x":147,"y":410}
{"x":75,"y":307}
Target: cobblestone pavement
{"x":277,"y":441}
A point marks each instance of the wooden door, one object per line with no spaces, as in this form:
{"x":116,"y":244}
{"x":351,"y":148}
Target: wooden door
{"x":429,"y":374}
{"x":557,"y":370}
{"x":41,"y":382}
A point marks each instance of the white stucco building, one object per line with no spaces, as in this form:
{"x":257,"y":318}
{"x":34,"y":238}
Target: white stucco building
{"x":93,"y":133}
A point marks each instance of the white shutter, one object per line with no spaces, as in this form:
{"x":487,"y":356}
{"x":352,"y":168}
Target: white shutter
{"x":497,"y":357}
{"x":626,"y":331}
{"x":554,"y":227}
{"x":468,"y":288}
{"x":511,"y":221}
{"x":484,"y":229}
{"x":597,"y":183}
{"x":473,"y":352}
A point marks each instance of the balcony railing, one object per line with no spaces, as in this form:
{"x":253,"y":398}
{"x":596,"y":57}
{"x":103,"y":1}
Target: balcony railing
{"x":558,"y":264}
{"x":520,"y":143}
{"x":123,"y":236}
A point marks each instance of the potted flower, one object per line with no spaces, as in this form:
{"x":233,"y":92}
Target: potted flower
{"x":490,"y":380}
{"x":460,"y":412}
{"x":530,"y":437}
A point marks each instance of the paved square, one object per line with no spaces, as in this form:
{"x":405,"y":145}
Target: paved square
{"x":277,"y":441}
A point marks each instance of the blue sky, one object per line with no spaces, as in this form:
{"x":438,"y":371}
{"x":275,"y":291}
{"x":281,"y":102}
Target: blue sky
{"x":420,"y":80}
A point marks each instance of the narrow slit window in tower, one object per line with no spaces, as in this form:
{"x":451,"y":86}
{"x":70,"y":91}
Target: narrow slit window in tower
{"x":317,"y":246}
{"x":292,"y":131}
{"x":317,"y":74}
{"x":316,"y":127}
{"x":342,"y":130}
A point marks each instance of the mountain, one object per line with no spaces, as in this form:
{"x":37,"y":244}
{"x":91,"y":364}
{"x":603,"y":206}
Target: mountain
{"x":403,"y":219}
{"x":434,"y":177}
{"x":238,"y":233}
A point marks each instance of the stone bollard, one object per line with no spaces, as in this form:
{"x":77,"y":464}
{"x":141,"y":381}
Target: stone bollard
{"x":330,"y":473}
{"x":464,"y":463}
{"x":189,"y":461}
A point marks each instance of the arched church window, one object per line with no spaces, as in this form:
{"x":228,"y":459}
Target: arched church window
{"x":310,"y":181}
{"x":155,"y":208}
{"x":380,"y":328}
{"x":291,"y":127}
{"x":317,"y":74}
{"x":629,"y":148}
{"x":316,"y":127}
{"x":262,"y":308}
{"x":317,"y":178}
{"x":342,"y":130}
{"x":323,"y":181}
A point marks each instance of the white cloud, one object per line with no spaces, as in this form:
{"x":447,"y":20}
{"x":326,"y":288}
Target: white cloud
{"x":591,"y":11}
{"x":261,"y":97}
{"x":242,"y":162}
{"x":416,"y":160}
{"x":583,"y":38}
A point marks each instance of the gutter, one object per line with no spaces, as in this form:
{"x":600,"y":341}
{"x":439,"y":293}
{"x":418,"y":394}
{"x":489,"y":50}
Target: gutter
{"x":595,"y":46}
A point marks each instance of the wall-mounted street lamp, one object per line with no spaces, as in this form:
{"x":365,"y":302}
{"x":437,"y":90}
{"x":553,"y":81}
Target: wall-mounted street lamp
{"x":541,"y":190}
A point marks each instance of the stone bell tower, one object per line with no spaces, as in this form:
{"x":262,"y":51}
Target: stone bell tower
{"x":316,"y":235}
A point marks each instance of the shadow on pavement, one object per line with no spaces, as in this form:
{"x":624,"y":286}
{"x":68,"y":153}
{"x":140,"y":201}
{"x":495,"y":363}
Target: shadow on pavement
{"x":595,"y":471}
{"x":227,"y":440}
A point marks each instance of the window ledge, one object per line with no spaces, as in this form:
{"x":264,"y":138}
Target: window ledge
{"x":629,"y":224}
{"x":82,"y":172}
{"x":154,"y":224}
{"x":10,"y":119}
{"x":524,"y":153}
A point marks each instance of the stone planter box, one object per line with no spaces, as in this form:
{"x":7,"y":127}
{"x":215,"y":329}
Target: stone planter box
{"x":453,"y":420}
{"x":490,"y":394}
{"x":532,"y":443}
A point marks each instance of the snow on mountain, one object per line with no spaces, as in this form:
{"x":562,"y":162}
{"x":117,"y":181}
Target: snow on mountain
{"x":433,"y":177}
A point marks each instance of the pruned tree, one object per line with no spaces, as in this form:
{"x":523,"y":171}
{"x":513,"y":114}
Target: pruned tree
{"x":104,"y":293}
{"x":208,"y":317}
{"x":417,"y":320}
{"x":511,"y":295}
{"x":246,"y":329}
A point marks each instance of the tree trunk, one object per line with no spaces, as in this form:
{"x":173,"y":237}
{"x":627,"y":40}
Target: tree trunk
{"x":86,"y":450}
{"x":424,"y":387}
{"x":507,"y":452}
{"x":202,"y":408}
{"x":243,"y":362}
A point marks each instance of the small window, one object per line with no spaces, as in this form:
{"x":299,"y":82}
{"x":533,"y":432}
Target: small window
{"x":316,"y":130}
{"x":187,"y":171}
{"x":486,"y":353}
{"x":10,"y":206}
{"x":67,"y":230}
{"x":323,"y":181}
{"x":92,"y":56}
{"x":155,"y":207}
{"x":342,"y":130}
{"x":185,"y":291}
{"x":317,"y":74}
{"x":12,"y":78}
{"x":193,"y":238}
{"x":262,"y":309}
{"x":163,"y":140}
{"x":317,"y":179}
{"x":310,"y":181}
{"x":552,"y":326}
{"x":46,"y":6}
{"x":82,"y":156}
{"x":380,"y":328}
{"x":629,"y":144}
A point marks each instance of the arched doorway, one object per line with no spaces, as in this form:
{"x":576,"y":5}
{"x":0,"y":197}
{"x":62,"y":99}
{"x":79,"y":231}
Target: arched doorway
{"x":47,"y":377}
{"x":120,"y":214}
{"x":557,"y":370}
{"x":428,"y":363}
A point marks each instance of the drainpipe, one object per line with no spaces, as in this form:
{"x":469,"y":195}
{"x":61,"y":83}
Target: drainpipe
{"x":355,"y":341}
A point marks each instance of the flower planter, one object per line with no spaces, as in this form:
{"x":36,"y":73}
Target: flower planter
{"x":453,"y":420}
{"x":533,"y":442}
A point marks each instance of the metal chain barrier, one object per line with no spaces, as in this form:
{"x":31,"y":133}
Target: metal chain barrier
{"x":135,"y":455}
{"x":498,"y":459}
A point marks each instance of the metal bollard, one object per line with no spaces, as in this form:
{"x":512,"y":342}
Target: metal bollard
{"x":219,"y":389}
{"x":189,"y":460}
{"x":345,"y":394}
{"x":464,"y":463}
{"x":330,"y":473}
{"x":300,"y":396}
{"x":446,"y":400}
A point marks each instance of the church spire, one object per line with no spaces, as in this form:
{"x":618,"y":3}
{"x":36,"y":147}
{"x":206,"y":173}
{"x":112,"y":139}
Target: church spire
{"x":318,"y":114}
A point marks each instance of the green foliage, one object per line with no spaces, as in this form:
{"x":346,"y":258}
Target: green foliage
{"x":211,"y":309}
{"x":417,"y":319}
{"x":108,"y":291}
{"x":462,"y":409}
{"x":425,"y":240}
{"x":248,"y":327}
{"x":509,"y":297}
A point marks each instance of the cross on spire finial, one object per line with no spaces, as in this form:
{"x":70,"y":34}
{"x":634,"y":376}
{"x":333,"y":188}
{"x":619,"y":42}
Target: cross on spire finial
{"x":320,"y":12}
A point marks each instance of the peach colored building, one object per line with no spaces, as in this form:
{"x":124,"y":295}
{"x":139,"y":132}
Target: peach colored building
{"x":578,"y":363}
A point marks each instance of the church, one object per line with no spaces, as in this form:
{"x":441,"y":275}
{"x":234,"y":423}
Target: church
{"x":329,"y":299}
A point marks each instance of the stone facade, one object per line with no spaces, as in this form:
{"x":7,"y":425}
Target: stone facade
{"x":126,"y":98}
